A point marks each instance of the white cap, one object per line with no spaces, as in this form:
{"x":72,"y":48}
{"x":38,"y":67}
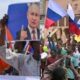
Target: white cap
{"x":43,"y":55}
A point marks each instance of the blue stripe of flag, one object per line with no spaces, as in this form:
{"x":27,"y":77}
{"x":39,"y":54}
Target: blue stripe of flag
{"x":52,"y":15}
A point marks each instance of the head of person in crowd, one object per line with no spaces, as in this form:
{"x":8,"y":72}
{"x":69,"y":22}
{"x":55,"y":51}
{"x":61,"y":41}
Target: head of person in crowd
{"x":33,"y":15}
{"x":36,"y":47}
{"x":53,"y":54}
{"x":58,"y":73}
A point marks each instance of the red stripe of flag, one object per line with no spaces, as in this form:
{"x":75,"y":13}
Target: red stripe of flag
{"x":73,"y":28}
{"x":8,"y":35}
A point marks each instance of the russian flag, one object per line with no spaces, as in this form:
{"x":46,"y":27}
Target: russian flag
{"x":74,"y":27}
{"x":54,"y":13}
{"x":28,"y":48}
{"x":17,"y":17}
{"x":74,"y":24}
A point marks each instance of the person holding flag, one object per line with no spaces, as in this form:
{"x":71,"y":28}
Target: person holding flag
{"x":55,"y":12}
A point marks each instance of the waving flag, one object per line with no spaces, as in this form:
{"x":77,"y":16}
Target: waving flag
{"x":74,"y":24}
{"x":54,"y":13}
{"x":28,"y":48}
{"x":16,"y":18}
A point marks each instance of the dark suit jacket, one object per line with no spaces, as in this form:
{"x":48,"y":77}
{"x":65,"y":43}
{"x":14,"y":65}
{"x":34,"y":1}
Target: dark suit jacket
{"x":28,"y":34}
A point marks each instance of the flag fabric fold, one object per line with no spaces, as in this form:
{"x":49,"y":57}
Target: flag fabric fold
{"x":28,"y":48}
{"x":54,"y":13}
{"x":74,"y":25}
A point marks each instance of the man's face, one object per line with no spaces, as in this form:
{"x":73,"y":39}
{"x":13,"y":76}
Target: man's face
{"x":33,"y":16}
{"x":75,"y":5}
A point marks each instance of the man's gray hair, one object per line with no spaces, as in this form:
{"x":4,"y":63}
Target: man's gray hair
{"x":36,"y":3}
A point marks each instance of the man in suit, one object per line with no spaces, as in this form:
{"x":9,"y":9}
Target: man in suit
{"x":32,"y":32}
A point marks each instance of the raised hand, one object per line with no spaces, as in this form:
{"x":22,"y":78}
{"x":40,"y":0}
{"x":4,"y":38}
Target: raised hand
{"x":23,"y":33}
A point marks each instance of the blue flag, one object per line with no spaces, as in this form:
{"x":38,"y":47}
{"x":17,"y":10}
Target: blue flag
{"x":17,"y":16}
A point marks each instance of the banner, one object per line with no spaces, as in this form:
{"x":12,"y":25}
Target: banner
{"x":19,"y":77}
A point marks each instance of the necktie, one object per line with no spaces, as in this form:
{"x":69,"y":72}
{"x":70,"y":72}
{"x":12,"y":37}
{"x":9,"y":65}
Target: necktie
{"x":33,"y":35}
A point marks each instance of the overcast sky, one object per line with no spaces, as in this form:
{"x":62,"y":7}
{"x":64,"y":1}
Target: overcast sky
{"x":4,"y":5}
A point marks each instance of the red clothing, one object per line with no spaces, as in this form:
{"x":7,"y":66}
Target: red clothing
{"x":3,"y":66}
{"x":51,"y":60}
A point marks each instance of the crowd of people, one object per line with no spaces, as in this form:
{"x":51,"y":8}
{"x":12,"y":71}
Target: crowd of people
{"x":58,"y":60}
{"x":62,"y":61}
{"x":51,"y":59}
{"x":32,"y":33}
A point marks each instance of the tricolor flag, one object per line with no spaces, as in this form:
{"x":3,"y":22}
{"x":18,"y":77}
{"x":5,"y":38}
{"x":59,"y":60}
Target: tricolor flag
{"x":28,"y":48}
{"x":17,"y":16}
{"x":54,"y":13}
{"x":74,"y":23}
